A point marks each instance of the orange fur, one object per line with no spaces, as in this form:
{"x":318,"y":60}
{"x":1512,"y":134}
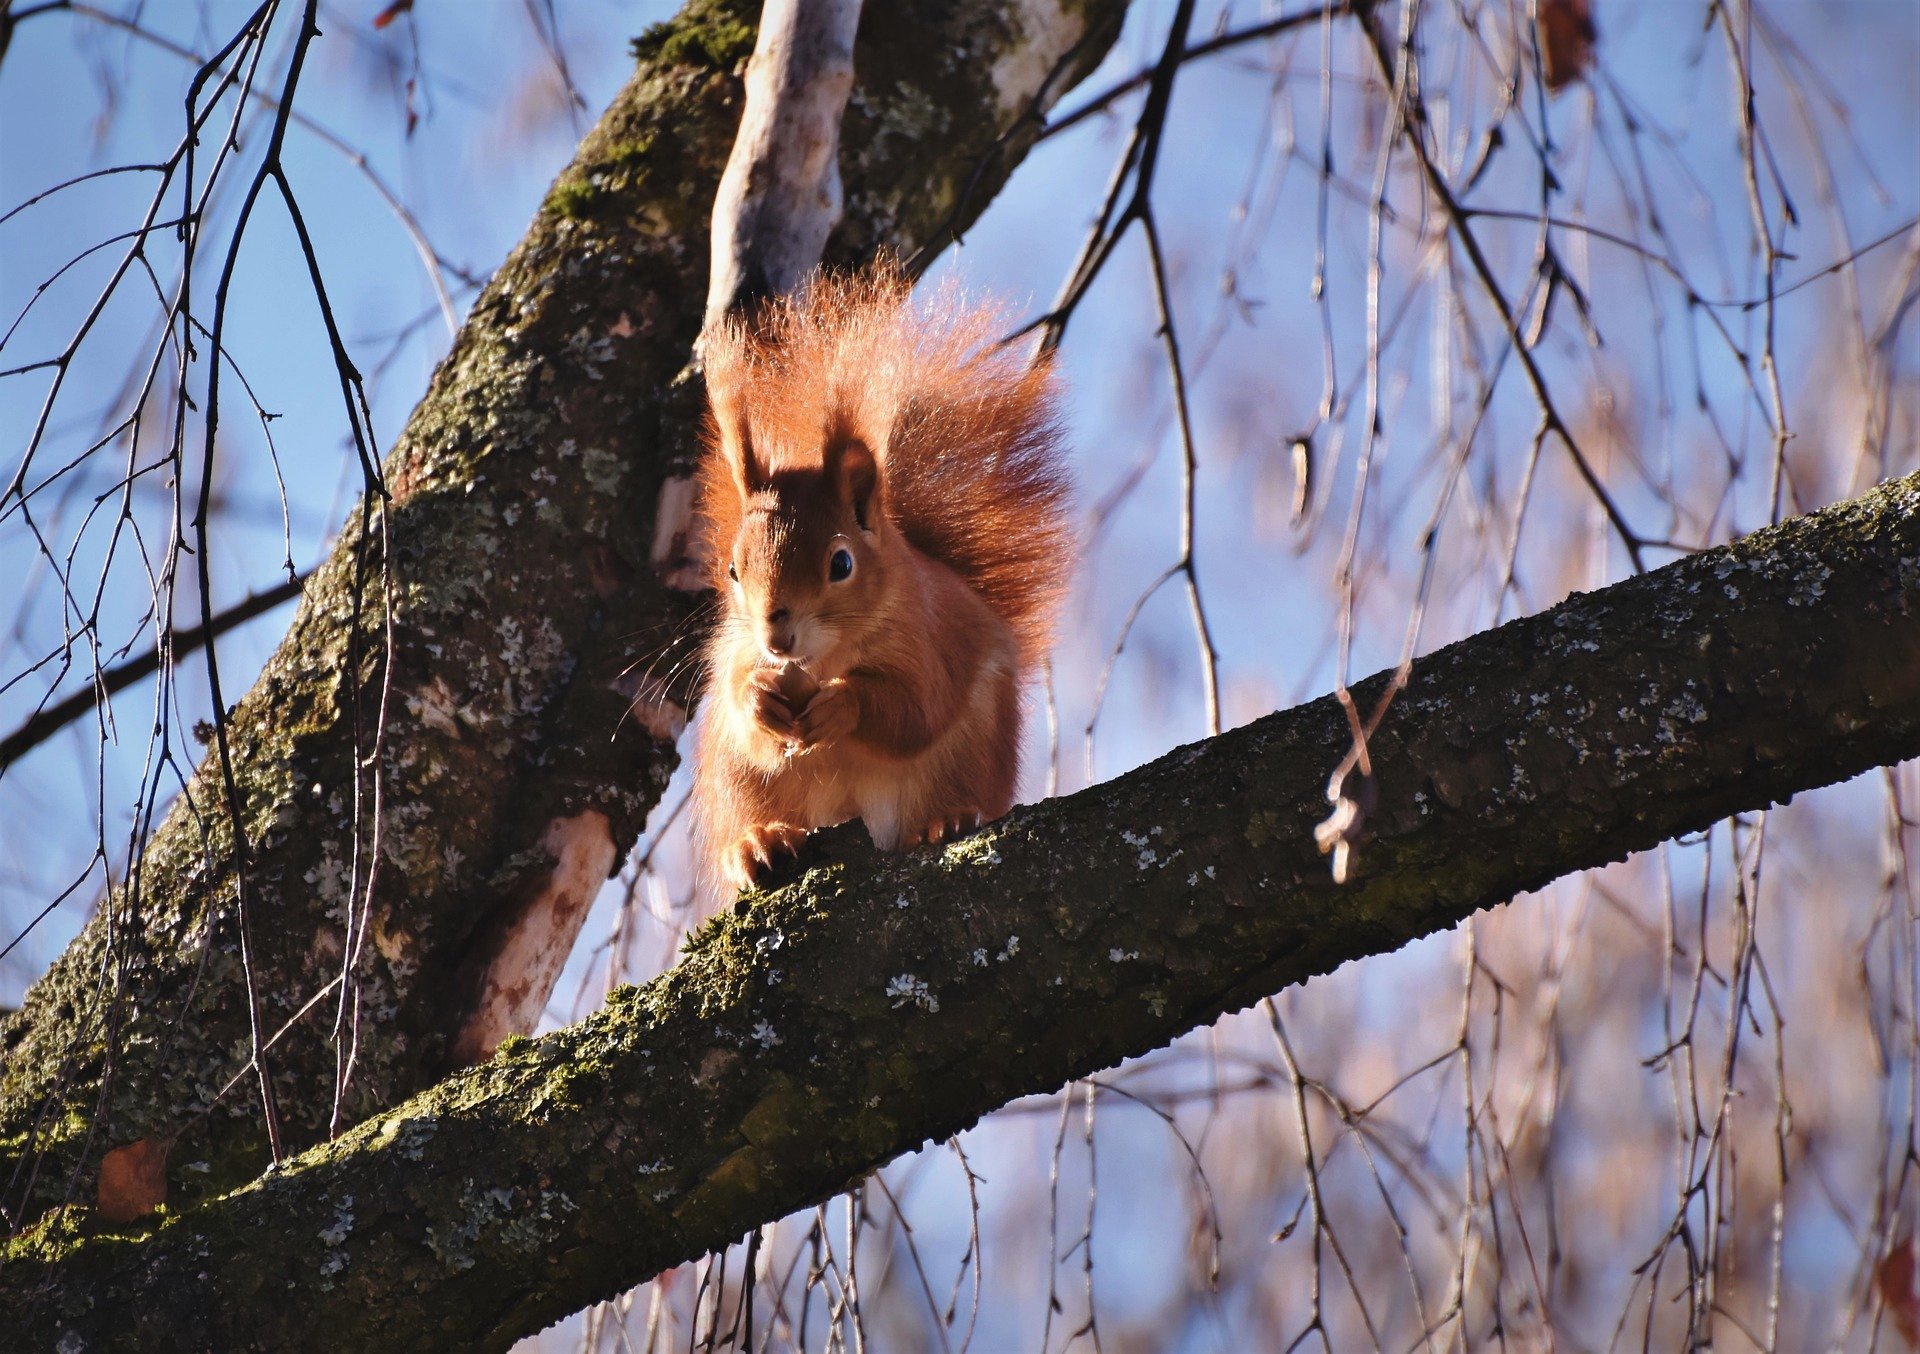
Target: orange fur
{"x":851,"y":420}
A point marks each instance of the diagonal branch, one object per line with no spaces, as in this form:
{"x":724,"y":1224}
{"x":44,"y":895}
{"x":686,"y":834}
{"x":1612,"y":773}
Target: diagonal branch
{"x":44,"y":723}
{"x":780,"y":195}
{"x":819,"y":1030}
{"x":524,"y":551}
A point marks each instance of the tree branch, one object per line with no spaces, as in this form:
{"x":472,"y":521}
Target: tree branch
{"x":520,"y":566}
{"x":879,"y":1001}
{"x":780,"y":196}
{"x":44,"y":723}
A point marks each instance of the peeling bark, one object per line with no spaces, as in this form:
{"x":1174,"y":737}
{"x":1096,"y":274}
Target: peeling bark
{"x":526,"y":583}
{"x":520,"y":968}
{"x":780,"y":196}
{"x":877,"y":1002}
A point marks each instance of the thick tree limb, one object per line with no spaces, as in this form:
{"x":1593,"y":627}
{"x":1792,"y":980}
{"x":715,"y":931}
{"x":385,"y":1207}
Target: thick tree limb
{"x":878,"y":1002}
{"x":780,"y":196}
{"x":535,"y":515}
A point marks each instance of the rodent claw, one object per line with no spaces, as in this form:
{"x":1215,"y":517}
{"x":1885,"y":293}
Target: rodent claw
{"x":951,"y":826}
{"x":756,"y":849}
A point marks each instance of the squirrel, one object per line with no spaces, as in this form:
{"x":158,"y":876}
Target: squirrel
{"x":883,"y":504}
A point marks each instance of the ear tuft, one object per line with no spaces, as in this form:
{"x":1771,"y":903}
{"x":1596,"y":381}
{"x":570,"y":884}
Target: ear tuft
{"x":857,"y":475}
{"x":749,"y":477}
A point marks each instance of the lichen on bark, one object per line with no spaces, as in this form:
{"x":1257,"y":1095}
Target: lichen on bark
{"x":874,"y":1002}
{"x":516,"y":525}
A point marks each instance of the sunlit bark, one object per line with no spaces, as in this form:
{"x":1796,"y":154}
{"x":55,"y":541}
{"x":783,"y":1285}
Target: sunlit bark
{"x":877,"y":1002}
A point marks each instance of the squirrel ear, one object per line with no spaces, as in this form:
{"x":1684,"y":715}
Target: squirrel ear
{"x":730,"y":434}
{"x":748,"y":477}
{"x":857,"y":474}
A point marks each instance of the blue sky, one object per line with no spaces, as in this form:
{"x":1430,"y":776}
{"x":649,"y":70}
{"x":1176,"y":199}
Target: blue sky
{"x":1237,"y":196}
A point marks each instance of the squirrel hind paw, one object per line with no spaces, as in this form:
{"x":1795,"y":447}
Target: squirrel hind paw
{"x":752,"y":855}
{"x":948,"y":826}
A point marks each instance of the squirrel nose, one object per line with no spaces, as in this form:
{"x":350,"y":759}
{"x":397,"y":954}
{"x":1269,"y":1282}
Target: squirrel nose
{"x":779,"y":633}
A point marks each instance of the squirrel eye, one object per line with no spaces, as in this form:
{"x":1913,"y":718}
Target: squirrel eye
{"x":732,"y":572}
{"x":840,"y":567}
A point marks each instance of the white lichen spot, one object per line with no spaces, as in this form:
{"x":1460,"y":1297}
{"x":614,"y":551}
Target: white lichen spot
{"x":342,"y":1226}
{"x":1687,"y":706}
{"x":905,"y":988}
{"x":1811,"y":585}
{"x":602,"y":470}
{"x":980,"y":958}
{"x":1116,"y":955}
{"x":433,"y":706}
{"x":763,"y":1035}
{"x":1012,"y":948}
{"x":973,"y":851}
{"x":329,"y":878}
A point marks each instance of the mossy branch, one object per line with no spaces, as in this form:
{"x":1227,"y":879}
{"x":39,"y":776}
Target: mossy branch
{"x":527,"y":544}
{"x":878,"y":1002}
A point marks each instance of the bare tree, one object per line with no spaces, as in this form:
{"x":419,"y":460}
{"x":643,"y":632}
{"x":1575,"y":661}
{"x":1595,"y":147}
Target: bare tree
{"x":381,"y":867}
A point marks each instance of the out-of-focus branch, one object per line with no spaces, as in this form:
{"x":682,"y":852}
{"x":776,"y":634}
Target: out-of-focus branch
{"x":1219,"y":42}
{"x":43,"y":724}
{"x":879,"y":1001}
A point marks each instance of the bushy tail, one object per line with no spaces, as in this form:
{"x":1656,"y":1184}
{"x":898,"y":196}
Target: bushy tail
{"x":966,"y":430}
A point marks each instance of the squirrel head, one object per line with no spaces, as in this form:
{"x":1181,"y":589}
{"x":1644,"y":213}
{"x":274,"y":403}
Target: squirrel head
{"x":807,"y":568}
{"x":854,"y":433}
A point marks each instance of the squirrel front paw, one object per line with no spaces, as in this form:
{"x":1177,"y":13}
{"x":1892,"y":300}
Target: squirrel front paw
{"x":753,"y":853}
{"x":767,"y":703}
{"x":946,"y":827}
{"x":830,"y":716}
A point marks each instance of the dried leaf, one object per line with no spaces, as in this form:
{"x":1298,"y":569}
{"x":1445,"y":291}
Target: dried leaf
{"x":1567,"y":36}
{"x":391,"y":12}
{"x":133,"y":1180}
{"x":1302,"y":477}
{"x":1894,"y":1277}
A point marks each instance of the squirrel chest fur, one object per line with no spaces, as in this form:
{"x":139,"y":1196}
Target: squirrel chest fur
{"x":883,"y":507}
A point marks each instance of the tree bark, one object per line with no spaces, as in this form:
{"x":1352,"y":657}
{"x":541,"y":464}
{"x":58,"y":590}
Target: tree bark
{"x":877,"y":1002}
{"x":780,"y":196}
{"x":534,"y":521}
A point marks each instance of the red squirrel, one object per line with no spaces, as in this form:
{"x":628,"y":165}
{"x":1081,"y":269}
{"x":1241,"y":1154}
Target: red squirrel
{"x":883,"y":503}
